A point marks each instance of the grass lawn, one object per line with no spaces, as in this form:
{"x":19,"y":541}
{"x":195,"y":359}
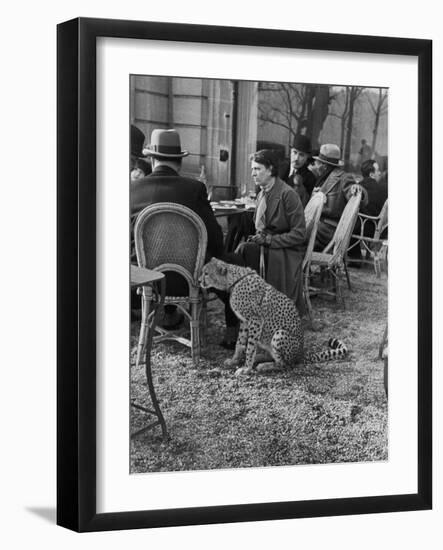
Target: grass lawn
{"x":320,"y":413}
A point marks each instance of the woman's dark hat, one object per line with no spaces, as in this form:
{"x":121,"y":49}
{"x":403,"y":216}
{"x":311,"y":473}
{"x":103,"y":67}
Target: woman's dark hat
{"x":302,"y":143}
{"x":165,"y":144}
{"x":137,"y":141}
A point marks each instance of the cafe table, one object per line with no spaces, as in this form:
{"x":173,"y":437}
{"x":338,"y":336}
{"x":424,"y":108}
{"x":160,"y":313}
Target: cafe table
{"x":141,"y":277}
{"x":231,"y":208}
{"x":239,"y":221}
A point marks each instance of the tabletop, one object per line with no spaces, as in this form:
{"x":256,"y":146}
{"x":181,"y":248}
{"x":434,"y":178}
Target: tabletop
{"x":141,"y":276}
{"x":229,"y":208}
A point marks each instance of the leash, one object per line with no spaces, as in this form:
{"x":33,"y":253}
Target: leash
{"x":241,"y":278}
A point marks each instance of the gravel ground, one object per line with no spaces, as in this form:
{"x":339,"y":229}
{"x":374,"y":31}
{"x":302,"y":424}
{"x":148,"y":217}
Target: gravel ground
{"x":316,"y":414}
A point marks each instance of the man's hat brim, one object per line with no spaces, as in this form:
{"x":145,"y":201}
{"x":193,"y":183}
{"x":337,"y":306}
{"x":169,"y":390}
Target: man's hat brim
{"x":328,"y":160}
{"x":152,"y":153}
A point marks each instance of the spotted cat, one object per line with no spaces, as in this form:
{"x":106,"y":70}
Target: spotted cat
{"x":269,"y":320}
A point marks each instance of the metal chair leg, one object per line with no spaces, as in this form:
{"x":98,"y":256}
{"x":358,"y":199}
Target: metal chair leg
{"x":347,"y":275}
{"x":144,"y":327}
{"x":307,"y":296}
{"x":152,"y":393}
{"x":150,"y":312}
{"x":377,"y":266}
{"x":195,"y":334}
{"x":203,"y":323}
{"x":335,"y":273}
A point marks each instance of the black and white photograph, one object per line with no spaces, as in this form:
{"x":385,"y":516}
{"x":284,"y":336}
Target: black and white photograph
{"x":259,"y":249}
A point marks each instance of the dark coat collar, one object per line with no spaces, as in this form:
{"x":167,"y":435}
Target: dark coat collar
{"x":163,"y":170}
{"x":303,"y":170}
{"x":368,"y":181}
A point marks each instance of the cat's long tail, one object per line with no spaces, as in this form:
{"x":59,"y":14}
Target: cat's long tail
{"x":338,"y":350}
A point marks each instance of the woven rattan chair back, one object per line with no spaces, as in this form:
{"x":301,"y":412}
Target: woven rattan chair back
{"x":340,"y":241}
{"x":313,"y":212}
{"x":382,"y":222}
{"x":171,"y":237}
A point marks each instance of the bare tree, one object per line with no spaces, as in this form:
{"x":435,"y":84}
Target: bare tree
{"x":280,"y":104}
{"x":379,"y":108}
{"x":319,"y":113}
{"x":354,"y":94}
{"x":295,"y":106}
{"x":343,"y":116}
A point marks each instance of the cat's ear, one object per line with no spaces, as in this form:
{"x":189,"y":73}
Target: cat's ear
{"x":221,"y":266}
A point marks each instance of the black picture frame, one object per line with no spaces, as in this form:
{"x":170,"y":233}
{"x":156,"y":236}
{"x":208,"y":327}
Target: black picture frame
{"x":76,"y":293}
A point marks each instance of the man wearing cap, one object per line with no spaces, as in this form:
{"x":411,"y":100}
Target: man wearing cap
{"x":337,"y":185}
{"x":300,"y":178}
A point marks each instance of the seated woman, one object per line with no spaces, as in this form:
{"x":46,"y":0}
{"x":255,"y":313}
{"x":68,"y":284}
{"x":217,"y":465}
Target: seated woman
{"x":280,"y":230}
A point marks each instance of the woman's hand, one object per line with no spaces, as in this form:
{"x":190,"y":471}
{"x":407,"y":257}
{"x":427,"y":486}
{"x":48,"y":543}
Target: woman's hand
{"x":260,"y":239}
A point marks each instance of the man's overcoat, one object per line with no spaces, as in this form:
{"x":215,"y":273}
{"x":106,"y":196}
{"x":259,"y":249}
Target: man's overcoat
{"x":166,"y":185}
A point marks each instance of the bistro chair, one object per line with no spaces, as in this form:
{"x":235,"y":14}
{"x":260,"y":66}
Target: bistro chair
{"x":332,"y":260}
{"x":313,"y":212}
{"x":372,"y":238}
{"x":170,"y":237}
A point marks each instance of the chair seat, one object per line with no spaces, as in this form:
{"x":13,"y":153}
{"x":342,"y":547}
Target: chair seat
{"x":323,"y":258}
{"x":367,"y":239}
{"x":177,"y":300}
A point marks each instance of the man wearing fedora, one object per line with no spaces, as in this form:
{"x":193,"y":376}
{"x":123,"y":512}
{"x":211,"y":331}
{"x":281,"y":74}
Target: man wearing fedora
{"x":337,"y":185}
{"x":300,"y":178}
{"x":165,"y":184}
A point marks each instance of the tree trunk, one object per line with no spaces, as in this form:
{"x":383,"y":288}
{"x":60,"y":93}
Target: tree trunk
{"x":375,"y":131}
{"x":310,"y":94}
{"x":320,"y":112}
{"x":344,"y":118}
{"x":377,"y":118}
{"x":347,"y":151}
{"x":355,"y":91}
